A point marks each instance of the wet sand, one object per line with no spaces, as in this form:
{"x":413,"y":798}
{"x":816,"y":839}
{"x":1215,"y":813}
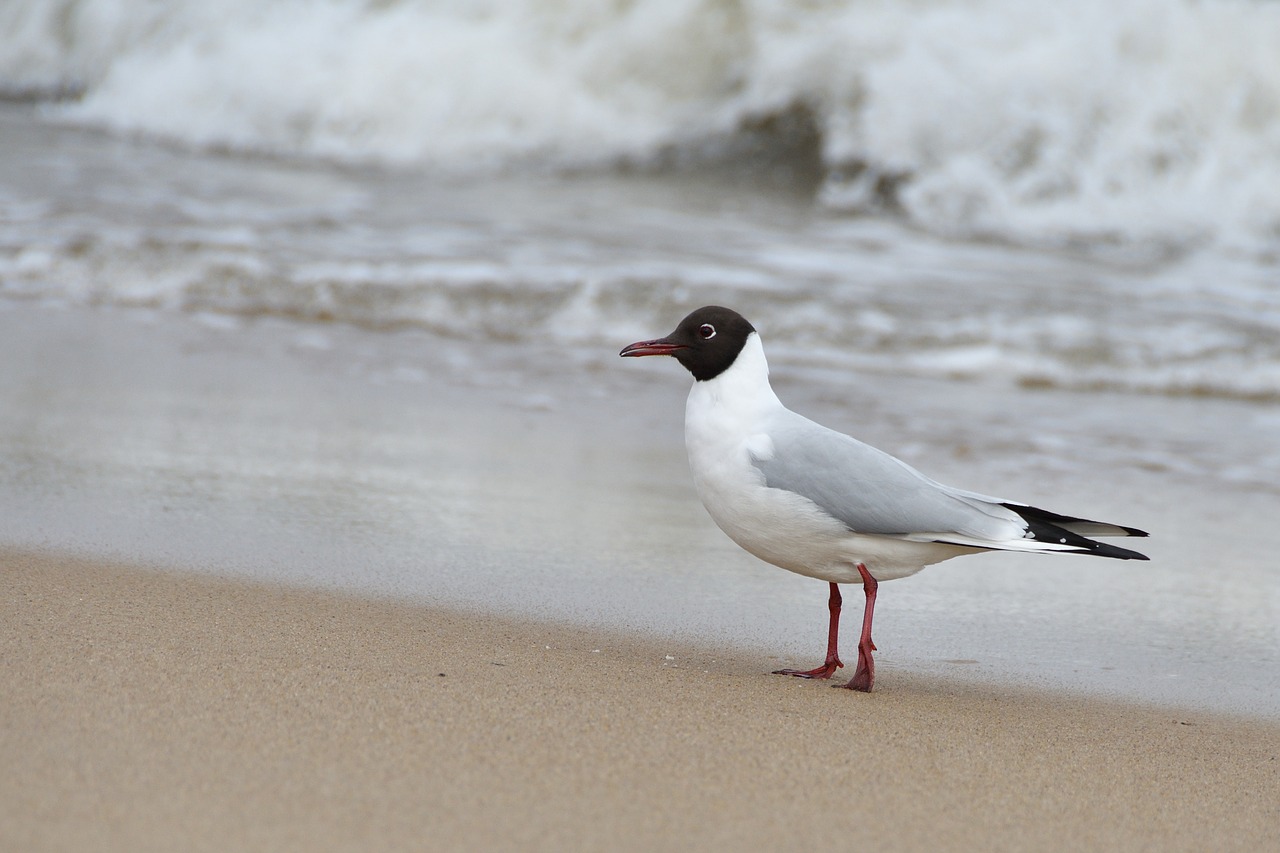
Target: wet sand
{"x":147,"y":710}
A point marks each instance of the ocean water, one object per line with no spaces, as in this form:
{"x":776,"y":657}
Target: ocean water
{"x":1035,"y":250}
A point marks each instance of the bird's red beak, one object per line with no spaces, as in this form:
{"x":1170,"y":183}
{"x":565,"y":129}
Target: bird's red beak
{"x":660,"y":346}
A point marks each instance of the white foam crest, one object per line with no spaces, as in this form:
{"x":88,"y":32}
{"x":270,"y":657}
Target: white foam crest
{"x":1148,"y":119}
{"x":462,"y":84}
{"x":1033,"y":120}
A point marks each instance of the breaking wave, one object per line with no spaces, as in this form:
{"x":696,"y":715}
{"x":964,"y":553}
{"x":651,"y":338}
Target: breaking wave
{"x":1152,"y":122}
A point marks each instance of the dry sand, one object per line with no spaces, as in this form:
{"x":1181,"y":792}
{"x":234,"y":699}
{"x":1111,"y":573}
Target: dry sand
{"x":144,"y":710}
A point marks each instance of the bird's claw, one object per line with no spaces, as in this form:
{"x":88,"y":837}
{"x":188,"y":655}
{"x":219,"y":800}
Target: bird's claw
{"x":825,"y":671}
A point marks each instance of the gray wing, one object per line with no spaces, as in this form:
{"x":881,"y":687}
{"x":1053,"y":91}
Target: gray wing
{"x":872,"y":492}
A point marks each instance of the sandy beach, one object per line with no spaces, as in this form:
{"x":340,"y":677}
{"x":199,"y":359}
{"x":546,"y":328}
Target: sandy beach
{"x":148,"y":710}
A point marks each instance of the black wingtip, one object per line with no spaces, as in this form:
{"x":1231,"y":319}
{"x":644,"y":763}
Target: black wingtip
{"x":1101,"y":549}
{"x":1047,"y":526}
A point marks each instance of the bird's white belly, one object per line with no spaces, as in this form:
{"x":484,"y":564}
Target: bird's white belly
{"x":776,"y":526}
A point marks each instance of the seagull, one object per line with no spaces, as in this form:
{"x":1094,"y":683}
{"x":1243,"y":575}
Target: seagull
{"x":822,"y":504}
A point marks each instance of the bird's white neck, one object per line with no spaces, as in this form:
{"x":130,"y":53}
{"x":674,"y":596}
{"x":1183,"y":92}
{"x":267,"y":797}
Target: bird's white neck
{"x":742,"y":392}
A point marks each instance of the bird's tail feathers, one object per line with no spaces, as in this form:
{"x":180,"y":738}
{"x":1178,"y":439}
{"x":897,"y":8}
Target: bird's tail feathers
{"x":1065,"y":542}
{"x":1065,"y":532}
{"x":1049,"y":532}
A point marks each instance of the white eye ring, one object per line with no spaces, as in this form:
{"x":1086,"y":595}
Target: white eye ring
{"x":707,"y":331}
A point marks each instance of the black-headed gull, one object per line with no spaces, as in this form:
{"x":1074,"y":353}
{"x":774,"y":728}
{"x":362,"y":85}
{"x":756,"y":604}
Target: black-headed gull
{"x":822,"y":504}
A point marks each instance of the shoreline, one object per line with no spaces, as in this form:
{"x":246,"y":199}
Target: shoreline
{"x":155,"y":709}
{"x":249,"y":452}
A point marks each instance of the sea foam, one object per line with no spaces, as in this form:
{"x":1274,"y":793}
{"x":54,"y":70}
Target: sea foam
{"x":1154,"y":122}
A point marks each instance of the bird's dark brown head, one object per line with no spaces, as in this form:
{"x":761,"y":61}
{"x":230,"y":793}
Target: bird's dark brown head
{"x":706,"y":342}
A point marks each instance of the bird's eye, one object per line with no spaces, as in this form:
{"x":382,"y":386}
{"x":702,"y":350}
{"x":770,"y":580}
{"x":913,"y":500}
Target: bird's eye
{"x":707,"y":331}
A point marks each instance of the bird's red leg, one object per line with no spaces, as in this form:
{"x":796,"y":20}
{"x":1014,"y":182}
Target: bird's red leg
{"x":833,"y":657}
{"x":865,"y":674}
